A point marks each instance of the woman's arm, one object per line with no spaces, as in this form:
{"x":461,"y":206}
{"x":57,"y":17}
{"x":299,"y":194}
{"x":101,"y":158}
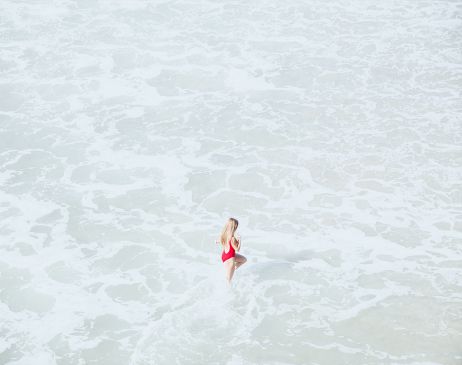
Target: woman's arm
{"x":236,"y":243}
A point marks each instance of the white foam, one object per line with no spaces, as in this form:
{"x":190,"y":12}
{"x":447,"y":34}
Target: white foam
{"x":130,"y":132}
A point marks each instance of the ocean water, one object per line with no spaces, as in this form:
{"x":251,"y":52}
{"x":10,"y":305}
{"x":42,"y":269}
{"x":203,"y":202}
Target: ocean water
{"x":131,"y":130}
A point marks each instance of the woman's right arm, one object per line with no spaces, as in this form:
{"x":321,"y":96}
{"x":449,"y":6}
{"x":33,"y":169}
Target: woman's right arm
{"x":236,"y":243}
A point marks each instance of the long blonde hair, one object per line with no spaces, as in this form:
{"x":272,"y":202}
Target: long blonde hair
{"x":228,"y":230}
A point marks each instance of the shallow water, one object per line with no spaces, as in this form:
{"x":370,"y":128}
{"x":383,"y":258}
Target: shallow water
{"x":131,"y":130}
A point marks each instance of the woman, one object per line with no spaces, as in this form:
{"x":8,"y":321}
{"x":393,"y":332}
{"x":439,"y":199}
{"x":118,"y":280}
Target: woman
{"x":231,"y":244}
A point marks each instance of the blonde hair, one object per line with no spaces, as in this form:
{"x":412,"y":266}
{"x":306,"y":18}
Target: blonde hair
{"x":228,"y":230}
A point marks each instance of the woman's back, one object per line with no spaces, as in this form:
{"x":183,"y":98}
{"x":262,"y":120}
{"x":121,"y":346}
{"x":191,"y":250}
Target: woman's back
{"x":228,"y":254}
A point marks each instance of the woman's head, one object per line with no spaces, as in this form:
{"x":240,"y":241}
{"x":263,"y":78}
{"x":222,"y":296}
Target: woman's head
{"x":229,"y":229}
{"x":232,"y":224}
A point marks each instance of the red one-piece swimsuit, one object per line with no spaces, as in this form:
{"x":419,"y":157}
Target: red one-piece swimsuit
{"x":227,"y":255}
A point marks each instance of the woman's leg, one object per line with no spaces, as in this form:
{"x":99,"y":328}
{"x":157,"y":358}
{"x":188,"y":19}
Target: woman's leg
{"x":229,"y":267}
{"x":239,"y":260}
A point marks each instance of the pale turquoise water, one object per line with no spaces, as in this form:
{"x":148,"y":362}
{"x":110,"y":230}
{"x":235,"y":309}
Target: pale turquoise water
{"x":131,"y":130}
